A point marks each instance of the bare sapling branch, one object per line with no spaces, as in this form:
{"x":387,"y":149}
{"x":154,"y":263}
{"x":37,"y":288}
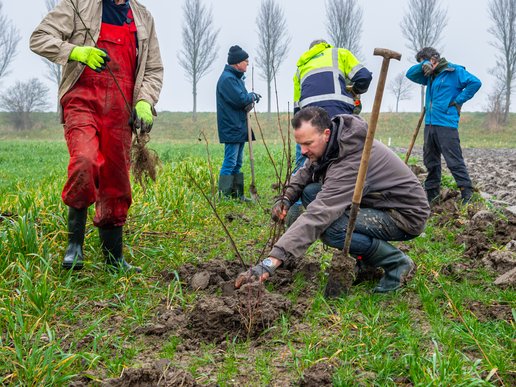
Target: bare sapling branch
{"x":214,"y":208}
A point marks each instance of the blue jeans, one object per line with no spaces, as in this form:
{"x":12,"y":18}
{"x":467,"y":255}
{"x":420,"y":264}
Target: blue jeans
{"x":370,"y":224}
{"x":233,"y":158}
{"x":300,"y":159}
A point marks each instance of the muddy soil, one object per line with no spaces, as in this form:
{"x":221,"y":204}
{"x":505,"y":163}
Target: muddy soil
{"x":159,"y":373}
{"x":320,"y":374}
{"x":488,"y":234}
{"x":222,"y":314}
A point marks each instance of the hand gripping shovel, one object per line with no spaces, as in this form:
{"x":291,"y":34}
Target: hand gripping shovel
{"x":339,"y":274}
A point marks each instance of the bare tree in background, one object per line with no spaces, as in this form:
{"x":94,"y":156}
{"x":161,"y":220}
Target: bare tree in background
{"x":199,"y":44}
{"x":503,"y":16}
{"x":273,"y":42}
{"x":9,"y":39}
{"x":400,"y":87}
{"x":422,"y":26}
{"x":345,"y":24}
{"x":22,"y":99}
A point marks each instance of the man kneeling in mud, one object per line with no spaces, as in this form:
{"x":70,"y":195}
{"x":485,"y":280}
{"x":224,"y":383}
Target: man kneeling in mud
{"x":393,"y":207}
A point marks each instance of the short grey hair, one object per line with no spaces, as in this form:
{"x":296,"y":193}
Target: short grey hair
{"x":317,"y":41}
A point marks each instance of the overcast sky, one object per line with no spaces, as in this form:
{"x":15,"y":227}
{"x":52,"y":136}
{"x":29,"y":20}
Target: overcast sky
{"x":465,"y":41}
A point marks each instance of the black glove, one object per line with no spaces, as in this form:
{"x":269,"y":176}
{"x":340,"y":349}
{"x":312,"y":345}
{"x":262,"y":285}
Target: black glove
{"x":428,"y":69}
{"x":281,"y":205}
{"x":256,"y":97}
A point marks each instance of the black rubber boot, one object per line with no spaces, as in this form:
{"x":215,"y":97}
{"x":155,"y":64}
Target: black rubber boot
{"x":433,"y":195}
{"x":73,"y":258}
{"x":466,"y":193}
{"x":226,"y":185}
{"x":238,"y":188}
{"x":398,"y":268}
{"x":112,"y":245}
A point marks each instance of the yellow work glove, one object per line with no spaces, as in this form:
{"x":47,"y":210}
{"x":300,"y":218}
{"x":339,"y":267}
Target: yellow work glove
{"x":143,"y":117}
{"x":92,"y":57}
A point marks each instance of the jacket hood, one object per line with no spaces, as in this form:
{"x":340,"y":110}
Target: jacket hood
{"x":352,"y":133}
{"x":314,"y":51}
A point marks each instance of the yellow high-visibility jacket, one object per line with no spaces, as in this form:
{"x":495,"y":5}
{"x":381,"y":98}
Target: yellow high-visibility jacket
{"x":323,"y":72}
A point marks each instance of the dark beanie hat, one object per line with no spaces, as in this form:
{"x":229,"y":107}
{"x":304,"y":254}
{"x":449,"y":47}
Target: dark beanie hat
{"x":236,"y":55}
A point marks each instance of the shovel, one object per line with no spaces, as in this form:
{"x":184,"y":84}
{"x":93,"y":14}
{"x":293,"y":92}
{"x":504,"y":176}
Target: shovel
{"x":252,"y":186}
{"x":414,"y":136}
{"x":339,"y":276}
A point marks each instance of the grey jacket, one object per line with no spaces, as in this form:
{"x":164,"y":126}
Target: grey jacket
{"x":61,"y":30}
{"x":390,"y":186}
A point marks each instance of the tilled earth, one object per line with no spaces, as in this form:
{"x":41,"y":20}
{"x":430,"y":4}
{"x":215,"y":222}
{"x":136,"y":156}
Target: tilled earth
{"x":220,"y":313}
{"x":493,"y":171}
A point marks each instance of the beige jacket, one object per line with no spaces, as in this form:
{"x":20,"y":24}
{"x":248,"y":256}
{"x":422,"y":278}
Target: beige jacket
{"x":390,"y":186}
{"x":62,"y":29}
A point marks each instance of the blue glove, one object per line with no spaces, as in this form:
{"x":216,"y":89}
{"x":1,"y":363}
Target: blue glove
{"x":256,"y":97}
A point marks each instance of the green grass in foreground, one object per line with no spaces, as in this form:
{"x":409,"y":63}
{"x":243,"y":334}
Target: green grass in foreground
{"x":55,"y":325}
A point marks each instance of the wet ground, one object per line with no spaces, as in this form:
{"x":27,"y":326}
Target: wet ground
{"x":220,"y":313}
{"x":493,"y":171}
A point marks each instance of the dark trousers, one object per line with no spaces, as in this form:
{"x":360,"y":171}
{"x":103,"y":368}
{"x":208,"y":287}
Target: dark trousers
{"x":444,"y":140}
{"x":370,"y":224}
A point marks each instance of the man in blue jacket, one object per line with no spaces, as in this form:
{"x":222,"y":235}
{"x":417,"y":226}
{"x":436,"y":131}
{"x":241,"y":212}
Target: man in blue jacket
{"x":233,"y":104}
{"x":448,"y":87}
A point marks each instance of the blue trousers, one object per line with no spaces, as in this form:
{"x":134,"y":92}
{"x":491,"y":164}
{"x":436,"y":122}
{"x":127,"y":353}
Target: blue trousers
{"x":443,"y":140}
{"x":233,"y":158}
{"x":370,"y":224}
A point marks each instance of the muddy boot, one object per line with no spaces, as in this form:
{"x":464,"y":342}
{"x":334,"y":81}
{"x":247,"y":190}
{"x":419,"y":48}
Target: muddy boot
{"x":433,"y":195}
{"x":112,"y":246}
{"x":466,"y":193}
{"x":226,"y":186}
{"x":238,"y":188}
{"x":73,"y":258}
{"x":398,"y":267}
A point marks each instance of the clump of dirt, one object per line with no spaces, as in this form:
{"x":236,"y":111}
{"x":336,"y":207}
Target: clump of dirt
{"x":221,"y":311}
{"x":320,"y":374}
{"x":485,"y":231}
{"x":159,"y":373}
{"x":501,"y":261}
{"x":211,"y":276}
{"x":495,"y":311}
{"x":250,"y":311}
{"x":341,"y":275}
{"x":167,"y":320}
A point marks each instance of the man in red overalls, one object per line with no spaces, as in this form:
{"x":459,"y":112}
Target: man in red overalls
{"x":87,"y":36}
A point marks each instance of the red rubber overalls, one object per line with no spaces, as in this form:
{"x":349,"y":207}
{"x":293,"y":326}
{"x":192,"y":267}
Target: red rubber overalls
{"x":97,"y":131}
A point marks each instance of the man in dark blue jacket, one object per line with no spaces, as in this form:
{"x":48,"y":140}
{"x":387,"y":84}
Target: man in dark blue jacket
{"x":448,"y":87}
{"x":233,"y":104}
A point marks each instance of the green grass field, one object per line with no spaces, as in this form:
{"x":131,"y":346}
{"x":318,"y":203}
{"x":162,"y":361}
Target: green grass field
{"x":55,"y":325}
